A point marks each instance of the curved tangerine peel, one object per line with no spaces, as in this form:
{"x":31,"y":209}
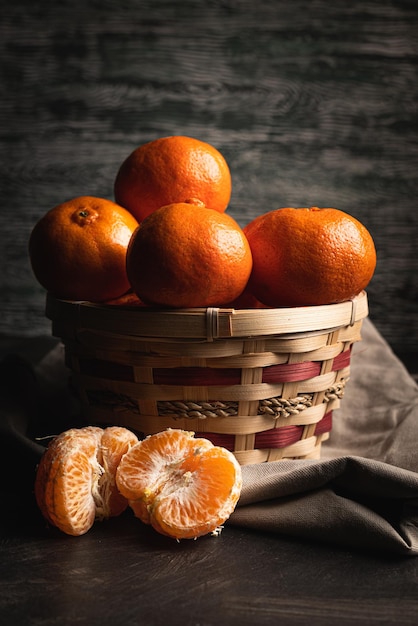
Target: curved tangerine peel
{"x":184,"y":487}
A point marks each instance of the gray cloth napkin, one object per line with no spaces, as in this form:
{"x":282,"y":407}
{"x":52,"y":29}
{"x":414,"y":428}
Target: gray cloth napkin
{"x":363,"y":492}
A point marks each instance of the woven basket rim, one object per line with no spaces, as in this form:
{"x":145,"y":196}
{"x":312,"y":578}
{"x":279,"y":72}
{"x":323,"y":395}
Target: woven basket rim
{"x":206,"y":323}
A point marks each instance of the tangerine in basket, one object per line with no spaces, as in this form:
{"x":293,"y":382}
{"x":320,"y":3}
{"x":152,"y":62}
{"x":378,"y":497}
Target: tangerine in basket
{"x":309,"y":256}
{"x":172,"y":169}
{"x":185,"y":255}
{"x":129,"y":299}
{"x":75,"y":478}
{"x":78,"y":249}
{"x":185,"y":487}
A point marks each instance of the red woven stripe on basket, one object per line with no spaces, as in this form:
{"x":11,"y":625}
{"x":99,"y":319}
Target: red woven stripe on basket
{"x":325,"y":425}
{"x":341,"y":361}
{"x":273,"y":438}
{"x":282,"y":373}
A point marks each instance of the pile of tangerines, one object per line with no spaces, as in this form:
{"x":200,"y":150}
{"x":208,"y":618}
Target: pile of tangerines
{"x":167,"y":240}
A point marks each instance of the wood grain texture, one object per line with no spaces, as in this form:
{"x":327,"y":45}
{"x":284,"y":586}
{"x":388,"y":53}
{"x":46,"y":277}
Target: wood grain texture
{"x":123,"y":572}
{"x":311,"y":102}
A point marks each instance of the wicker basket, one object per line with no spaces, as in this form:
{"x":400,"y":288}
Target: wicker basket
{"x":261,"y":382}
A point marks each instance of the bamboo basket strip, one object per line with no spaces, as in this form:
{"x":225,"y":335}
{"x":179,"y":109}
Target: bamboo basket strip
{"x":241,"y":360}
{"x":208,"y":375}
{"x":208,"y":324}
{"x":280,"y":438}
{"x":238,"y":425}
{"x":255,"y":391}
{"x":309,"y":448}
{"x":98,"y":340}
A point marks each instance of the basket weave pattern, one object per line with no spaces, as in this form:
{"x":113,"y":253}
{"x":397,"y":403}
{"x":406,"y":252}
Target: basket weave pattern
{"x":262,"y":383}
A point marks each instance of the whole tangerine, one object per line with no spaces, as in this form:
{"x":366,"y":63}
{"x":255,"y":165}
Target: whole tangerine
{"x":78,"y":249}
{"x":185,"y":255}
{"x":309,"y":256}
{"x":172,"y":169}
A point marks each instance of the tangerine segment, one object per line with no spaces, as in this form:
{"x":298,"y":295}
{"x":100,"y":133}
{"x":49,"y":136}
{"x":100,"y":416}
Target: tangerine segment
{"x":204,"y":498}
{"x":183,"y":486}
{"x":115,"y":442}
{"x":75,"y":479}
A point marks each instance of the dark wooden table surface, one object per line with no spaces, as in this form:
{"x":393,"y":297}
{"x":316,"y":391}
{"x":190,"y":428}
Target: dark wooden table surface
{"x":120,"y":573}
{"x":312,"y":103}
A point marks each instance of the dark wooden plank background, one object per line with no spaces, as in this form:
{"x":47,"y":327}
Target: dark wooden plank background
{"x":311,"y":102}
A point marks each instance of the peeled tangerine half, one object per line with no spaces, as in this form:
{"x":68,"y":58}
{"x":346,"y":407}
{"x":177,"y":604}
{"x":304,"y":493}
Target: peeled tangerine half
{"x":75,"y":479}
{"x":183,"y":486}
